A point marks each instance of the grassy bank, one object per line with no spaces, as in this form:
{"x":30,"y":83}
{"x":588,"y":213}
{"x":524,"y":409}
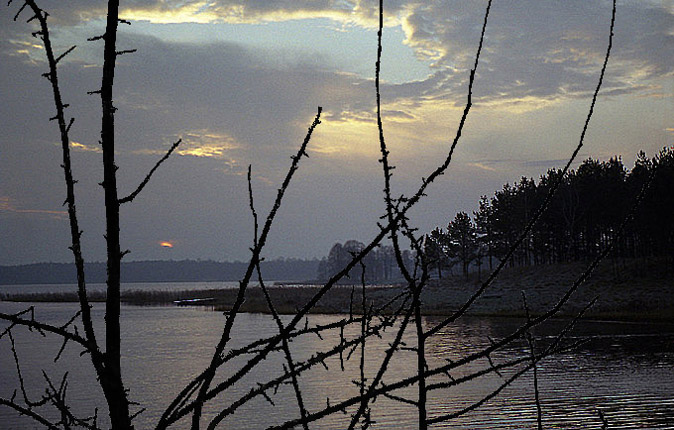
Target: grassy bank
{"x":634,"y":291}
{"x":625,"y":290}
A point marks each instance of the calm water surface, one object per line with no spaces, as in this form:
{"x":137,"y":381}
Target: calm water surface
{"x":627,"y":372}
{"x":127,"y":286}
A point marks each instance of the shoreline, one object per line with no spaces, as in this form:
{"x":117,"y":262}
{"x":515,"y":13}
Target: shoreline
{"x":623,"y":296}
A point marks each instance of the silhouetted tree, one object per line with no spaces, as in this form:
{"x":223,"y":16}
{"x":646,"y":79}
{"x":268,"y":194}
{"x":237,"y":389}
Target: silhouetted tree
{"x":462,"y":240}
{"x":435,"y":250}
{"x":379,"y":264}
{"x":484,"y":217}
{"x":585,"y":217}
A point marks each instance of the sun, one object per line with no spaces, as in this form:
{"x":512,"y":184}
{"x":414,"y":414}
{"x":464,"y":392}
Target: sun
{"x":166,"y":244}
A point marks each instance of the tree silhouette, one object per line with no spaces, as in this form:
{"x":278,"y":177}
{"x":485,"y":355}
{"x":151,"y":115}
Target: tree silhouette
{"x":584,"y":218}
{"x":436,"y":251}
{"x":462,"y":240}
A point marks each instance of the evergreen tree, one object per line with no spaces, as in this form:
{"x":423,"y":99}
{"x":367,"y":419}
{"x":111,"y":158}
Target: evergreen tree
{"x":462,"y":240}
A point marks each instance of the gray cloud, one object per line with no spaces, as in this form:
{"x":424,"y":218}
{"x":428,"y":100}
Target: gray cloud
{"x":543,"y":49}
{"x":227,"y":89}
{"x":546,"y":49}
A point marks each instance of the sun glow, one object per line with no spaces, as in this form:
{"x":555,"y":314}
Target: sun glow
{"x":166,"y":244}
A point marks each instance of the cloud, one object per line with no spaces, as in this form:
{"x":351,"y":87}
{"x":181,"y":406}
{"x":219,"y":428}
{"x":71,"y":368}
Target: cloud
{"x":482,"y":166}
{"x":86,"y":148}
{"x":535,"y":51}
{"x":201,"y":11}
{"x":226,"y":102}
{"x":8,"y":205}
{"x":347,"y":12}
{"x":541,"y":50}
{"x":206,"y":143}
{"x":494,"y":165}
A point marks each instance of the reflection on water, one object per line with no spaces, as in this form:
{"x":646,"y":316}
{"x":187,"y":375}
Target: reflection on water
{"x":126,"y":286}
{"x":627,"y":372}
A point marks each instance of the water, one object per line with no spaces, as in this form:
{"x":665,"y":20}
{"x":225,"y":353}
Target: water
{"x":627,"y":372}
{"x":128,"y":286}
{"x":138,"y":286}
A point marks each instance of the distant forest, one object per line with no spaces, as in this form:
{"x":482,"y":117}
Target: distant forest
{"x":158,"y":271}
{"x":583,"y":217}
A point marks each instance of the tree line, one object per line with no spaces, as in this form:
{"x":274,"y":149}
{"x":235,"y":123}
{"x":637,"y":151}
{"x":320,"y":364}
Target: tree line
{"x":579,"y":222}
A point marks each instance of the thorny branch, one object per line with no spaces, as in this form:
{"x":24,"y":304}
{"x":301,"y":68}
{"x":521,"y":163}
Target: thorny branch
{"x":27,"y":411}
{"x":196,"y":405}
{"x":105,"y":364}
{"x":400,"y":215}
{"x":553,"y":348}
{"x":532,"y":350}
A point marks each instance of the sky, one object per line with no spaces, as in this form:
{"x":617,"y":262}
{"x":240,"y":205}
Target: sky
{"x":240,"y":82}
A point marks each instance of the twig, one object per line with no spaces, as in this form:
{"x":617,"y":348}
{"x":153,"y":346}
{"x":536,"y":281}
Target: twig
{"x":75,"y":232}
{"x":29,"y":413}
{"x":133,"y":195}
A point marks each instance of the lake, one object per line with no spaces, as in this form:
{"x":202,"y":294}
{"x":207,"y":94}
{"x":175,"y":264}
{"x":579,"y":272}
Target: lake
{"x":626,"y":371}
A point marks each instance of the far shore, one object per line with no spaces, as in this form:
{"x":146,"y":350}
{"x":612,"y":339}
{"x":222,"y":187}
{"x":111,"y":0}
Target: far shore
{"x":635,"y":293}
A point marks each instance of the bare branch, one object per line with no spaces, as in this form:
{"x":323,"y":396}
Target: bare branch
{"x":272,"y":309}
{"x":604,"y":421}
{"x":133,"y":195}
{"x":554,"y":347}
{"x":29,"y":413}
{"x":75,"y":232}
{"x":126,"y":51}
{"x":60,"y":57}
{"x":32,"y":324}
{"x":532,"y":351}
{"x":20,"y":9}
{"x":384,"y":151}
{"x":22,"y":385}
{"x":405,"y":307}
{"x":317,"y":358}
